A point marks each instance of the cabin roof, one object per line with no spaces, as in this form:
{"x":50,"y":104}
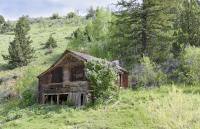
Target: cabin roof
{"x":82,"y":56}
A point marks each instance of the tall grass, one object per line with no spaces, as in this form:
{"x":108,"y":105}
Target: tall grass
{"x":159,"y":108}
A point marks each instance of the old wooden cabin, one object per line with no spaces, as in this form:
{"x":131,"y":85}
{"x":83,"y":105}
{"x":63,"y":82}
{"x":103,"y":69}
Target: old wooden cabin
{"x":65,"y":80}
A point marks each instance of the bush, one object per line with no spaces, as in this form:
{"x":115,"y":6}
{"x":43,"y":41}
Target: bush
{"x":51,"y":43}
{"x":55,"y":16}
{"x":102,"y":78}
{"x":13,"y":116}
{"x":190,"y":62}
{"x":28,"y":97}
{"x":71,"y":15}
{"x":147,"y":74}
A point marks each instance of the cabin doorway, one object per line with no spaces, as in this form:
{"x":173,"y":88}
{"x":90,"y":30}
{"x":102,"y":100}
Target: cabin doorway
{"x":63,"y":99}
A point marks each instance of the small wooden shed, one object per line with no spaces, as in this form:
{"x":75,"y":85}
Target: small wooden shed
{"x":65,"y":82}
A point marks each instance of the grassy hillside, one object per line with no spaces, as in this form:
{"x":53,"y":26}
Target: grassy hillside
{"x":167,"y":107}
{"x":40,"y":31}
{"x":161,"y":108}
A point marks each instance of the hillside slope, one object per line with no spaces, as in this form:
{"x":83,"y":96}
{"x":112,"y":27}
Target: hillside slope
{"x":161,"y":108}
{"x":41,"y":29}
{"x":166,"y":107}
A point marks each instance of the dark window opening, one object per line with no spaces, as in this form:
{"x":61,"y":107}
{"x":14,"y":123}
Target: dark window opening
{"x":63,"y":99}
{"x":77,"y":74}
{"x":82,"y":99}
{"x":57,"y":75}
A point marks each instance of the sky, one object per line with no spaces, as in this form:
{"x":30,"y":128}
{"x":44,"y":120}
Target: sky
{"x":13,"y":9}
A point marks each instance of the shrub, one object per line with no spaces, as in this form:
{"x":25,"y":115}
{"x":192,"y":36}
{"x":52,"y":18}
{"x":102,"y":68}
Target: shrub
{"x":71,"y":15}
{"x":51,"y":43}
{"x":55,"y":16}
{"x":28,"y":97}
{"x":147,"y":74}
{"x":26,"y":86}
{"x":13,"y":116}
{"x":102,"y":78}
{"x":190,"y":62}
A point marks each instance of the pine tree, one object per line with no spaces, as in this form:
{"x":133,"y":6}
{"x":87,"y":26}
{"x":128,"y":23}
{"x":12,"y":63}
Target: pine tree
{"x":20,"y":50}
{"x":91,"y":13}
{"x":51,"y":43}
{"x":143,"y":28}
{"x":187,"y":29}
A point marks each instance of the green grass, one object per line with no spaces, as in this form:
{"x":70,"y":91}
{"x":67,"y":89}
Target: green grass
{"x":159,"y":108}
{"x":168,"y":107}
{"x":39,"y":33}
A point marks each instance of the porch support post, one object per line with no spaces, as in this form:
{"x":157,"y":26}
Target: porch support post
{"x":43,"y":99}
{"x":58,"y":97}
{"x":51,"y":99}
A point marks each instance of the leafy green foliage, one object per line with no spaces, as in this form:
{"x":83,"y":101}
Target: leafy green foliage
{"x":5,"y":26}
{"x":102,"y":78}
{"x":148,"y":74}
{"x":190,"y":71}
{"x":28,"y":98}
{"x":20,"y":50}
{"x":94,"y":37}
{"x":55,"y":16}
{"x":71,"y":15}
{"x":51,"y":43}
{"x":91,"y":13}
{"x":186,"y":26}
{"x":2,"y":20}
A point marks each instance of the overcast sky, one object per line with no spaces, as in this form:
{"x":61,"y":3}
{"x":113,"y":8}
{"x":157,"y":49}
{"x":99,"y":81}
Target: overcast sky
{"x":12,"y":9}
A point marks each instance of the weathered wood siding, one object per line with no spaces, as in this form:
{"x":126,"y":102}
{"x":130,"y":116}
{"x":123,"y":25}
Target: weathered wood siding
{"x":71,"y":84}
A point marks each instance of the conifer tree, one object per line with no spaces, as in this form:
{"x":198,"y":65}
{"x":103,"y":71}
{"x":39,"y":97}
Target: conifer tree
{"x":51,"y":42}
{"x":187,"y":29}
{"x":143,"y":28}
{"x":20,"y":50}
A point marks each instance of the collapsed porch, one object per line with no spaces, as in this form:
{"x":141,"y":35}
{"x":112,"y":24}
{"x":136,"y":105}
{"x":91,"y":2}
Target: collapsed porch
{"x":77,"y":99}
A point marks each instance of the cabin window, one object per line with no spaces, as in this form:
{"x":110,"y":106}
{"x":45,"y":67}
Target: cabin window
{"x":77,"y":74}
{"x":57,"y":75}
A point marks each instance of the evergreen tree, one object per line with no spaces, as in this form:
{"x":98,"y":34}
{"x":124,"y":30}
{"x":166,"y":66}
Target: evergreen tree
{"x":91,"y":13}
{"x":143,"y":28}
{"x":51,"y":43}
{"x":20,"y":50}
{"x":187,"y":29}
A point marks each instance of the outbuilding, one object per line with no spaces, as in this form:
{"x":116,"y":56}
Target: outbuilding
{"x":65,"y":81}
